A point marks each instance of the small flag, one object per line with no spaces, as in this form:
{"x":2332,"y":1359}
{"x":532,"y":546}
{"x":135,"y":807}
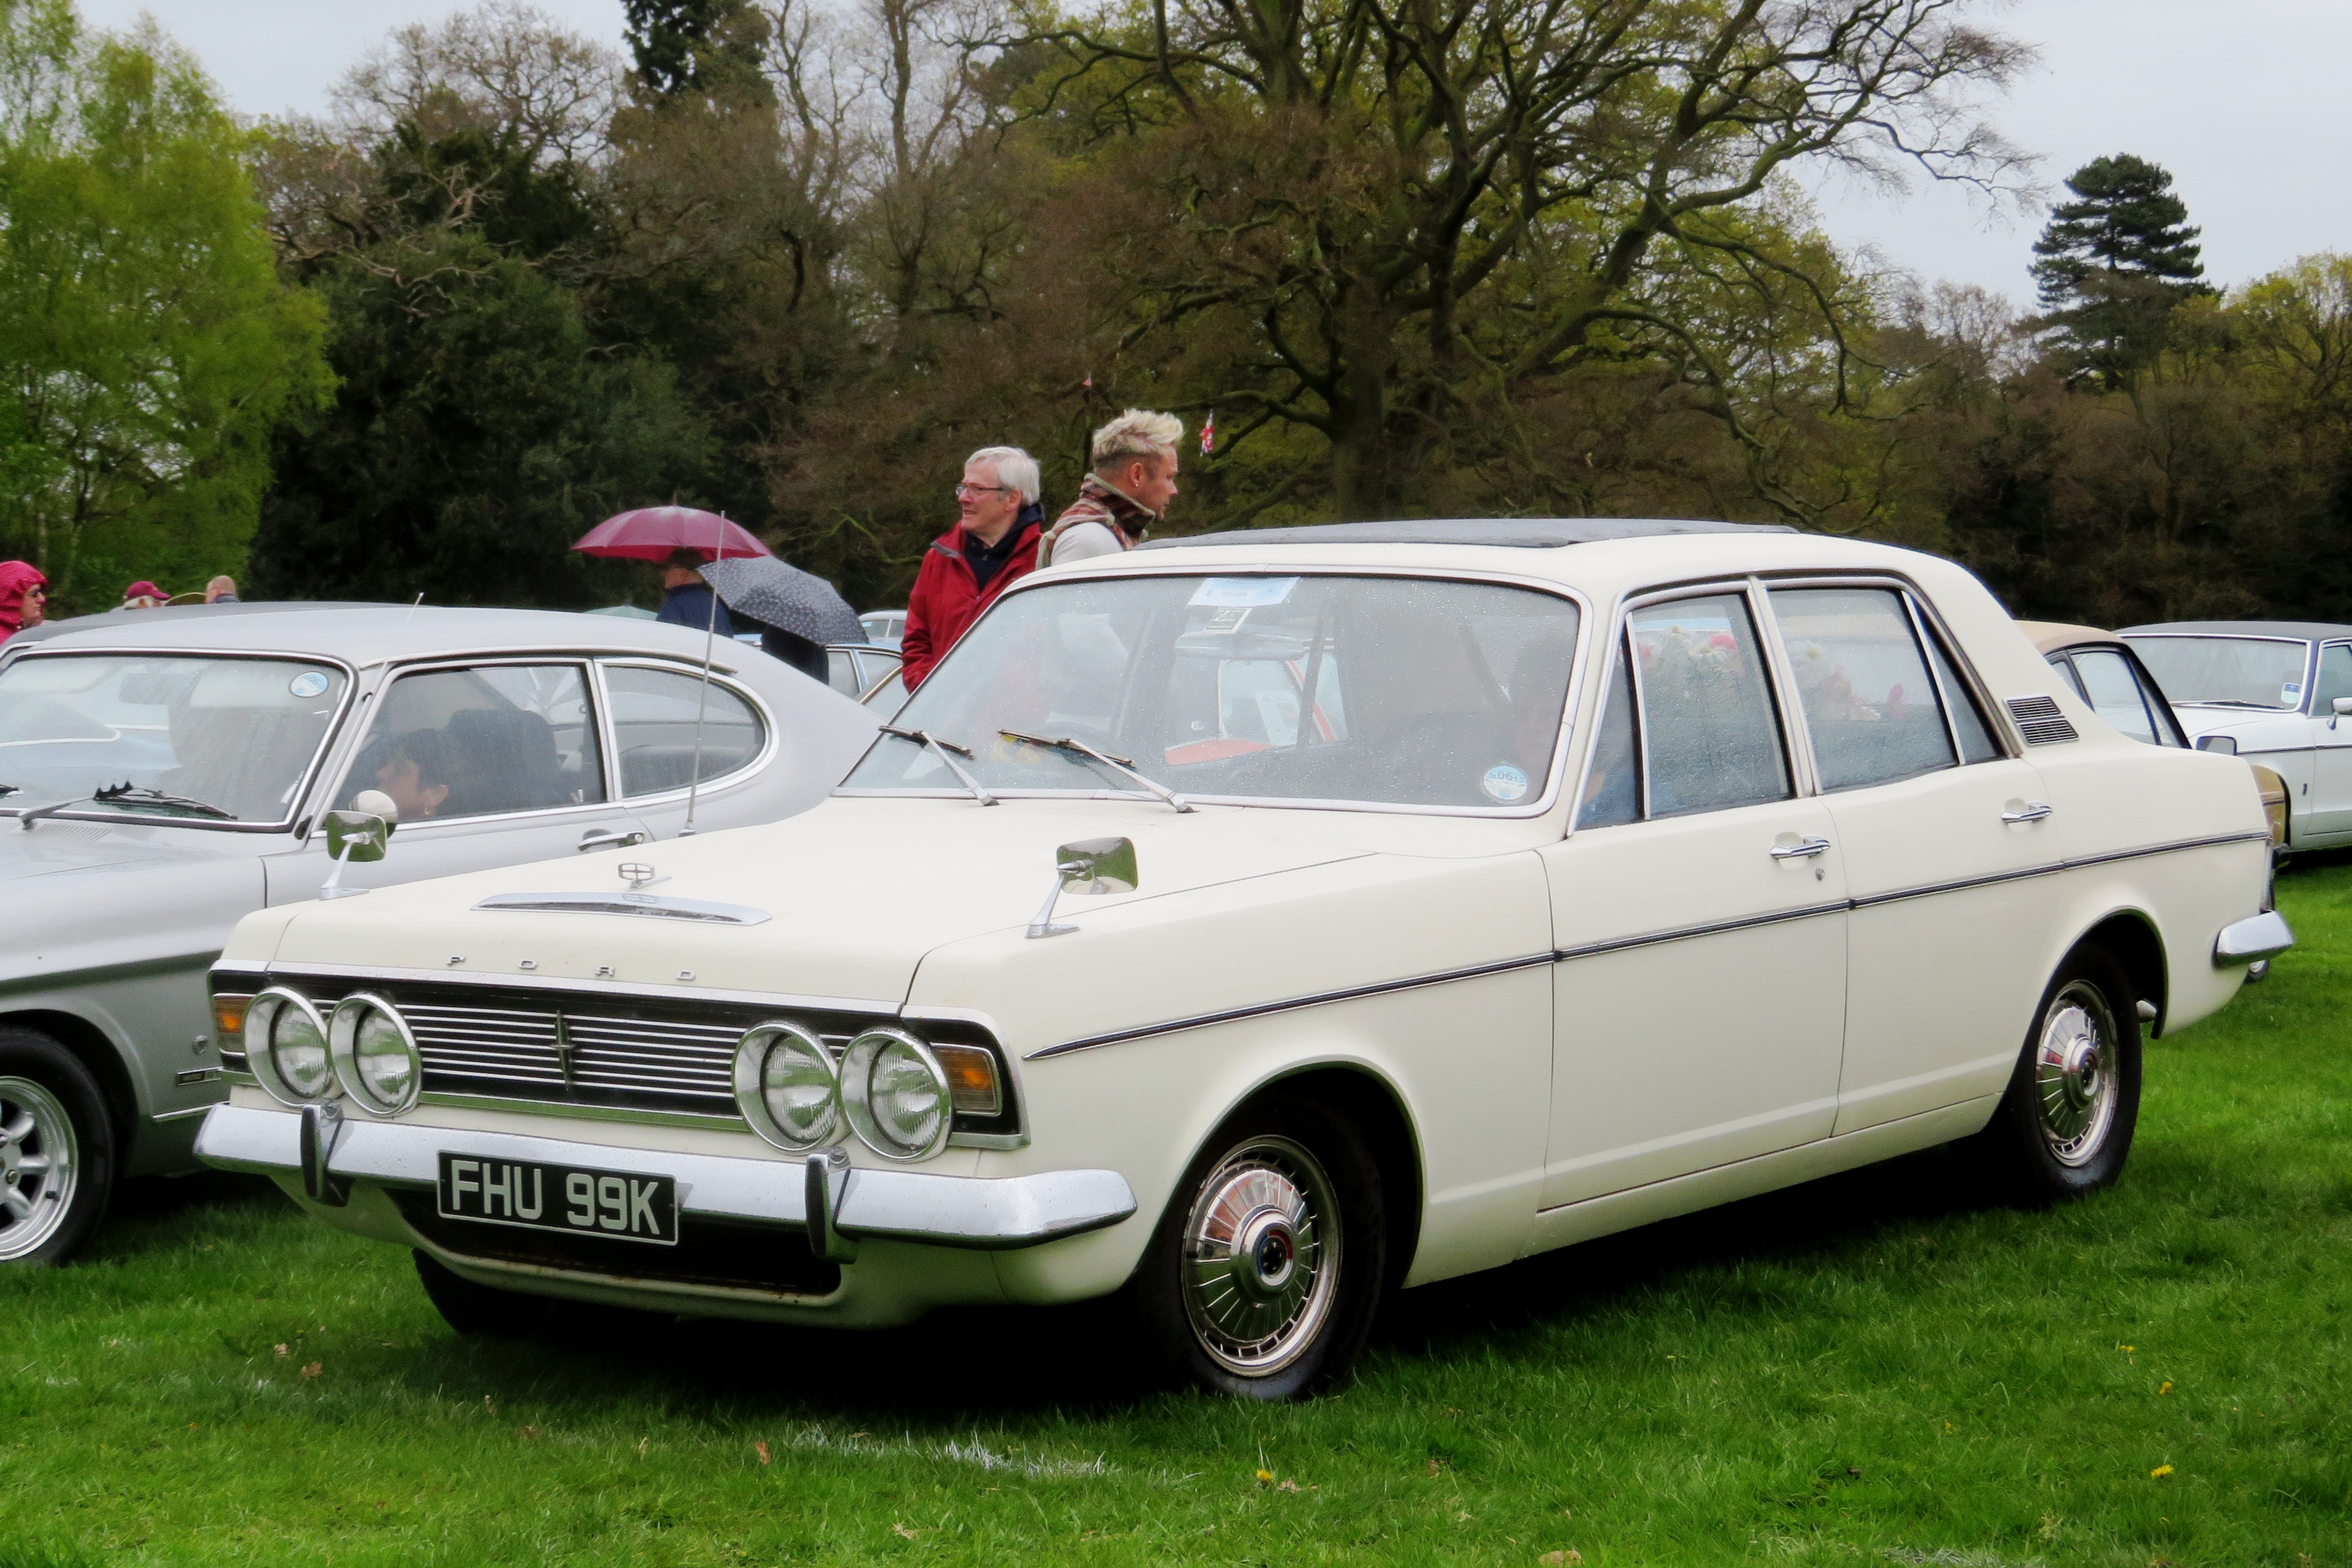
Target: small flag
{"x":1208,"y":434}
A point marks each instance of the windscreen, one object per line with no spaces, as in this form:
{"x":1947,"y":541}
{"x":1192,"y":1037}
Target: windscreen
{"x":1380,"y":690}
{"x":196,"y":739}
{"x":2237,"y":672}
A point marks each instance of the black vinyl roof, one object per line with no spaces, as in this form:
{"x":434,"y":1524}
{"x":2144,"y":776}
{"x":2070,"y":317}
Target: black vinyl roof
{"x":2304,"y":630}
{"x":1523,"y":533}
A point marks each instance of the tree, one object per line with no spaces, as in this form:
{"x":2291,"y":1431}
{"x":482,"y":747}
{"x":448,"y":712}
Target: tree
{"x":147,"y":346}
{"x":688,"y":47}
{"x":2113,"y":264}
{"x":1416,"y":219}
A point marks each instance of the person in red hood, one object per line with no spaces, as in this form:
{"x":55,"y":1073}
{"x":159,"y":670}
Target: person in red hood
{"x":992,"y":546}
{"x":24,"y":597}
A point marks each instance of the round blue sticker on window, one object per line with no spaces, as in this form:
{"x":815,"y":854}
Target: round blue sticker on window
{"x":1505,"y":783}
{"x":309,"y":683}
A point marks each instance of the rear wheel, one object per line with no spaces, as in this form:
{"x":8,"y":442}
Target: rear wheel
{"x":1263,"y":1275}
{"x":2064,"y":1127}
{"x":57,"y":1150}
{"x":482,"y":1311}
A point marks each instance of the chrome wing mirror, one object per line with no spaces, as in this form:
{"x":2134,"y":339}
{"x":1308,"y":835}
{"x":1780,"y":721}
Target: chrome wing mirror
{"x":363,"y":833}
{"x":1088,"y":867}
{"x":2227,"y":745}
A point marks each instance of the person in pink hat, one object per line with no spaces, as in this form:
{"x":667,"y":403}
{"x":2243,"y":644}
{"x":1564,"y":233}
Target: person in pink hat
{"x":142,"y":595}
{"x":24,"y":597}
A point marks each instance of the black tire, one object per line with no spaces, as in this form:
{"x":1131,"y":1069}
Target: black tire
{"x":482,"y":1311}
{"x":2064,"y":1127}
{"x":57,"y":1151}
{"x":1267,"y":1189}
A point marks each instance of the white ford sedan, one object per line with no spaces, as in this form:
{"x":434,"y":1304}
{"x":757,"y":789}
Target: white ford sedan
{"x":1255,"y":923}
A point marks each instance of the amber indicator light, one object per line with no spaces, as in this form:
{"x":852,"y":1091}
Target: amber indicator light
{"x":229,"y":1017}
{"x":972,"y":1079}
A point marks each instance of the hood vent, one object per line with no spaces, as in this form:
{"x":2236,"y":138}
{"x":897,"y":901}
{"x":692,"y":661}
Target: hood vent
{"x":652,"y":905}
{"x":2040,"y":720}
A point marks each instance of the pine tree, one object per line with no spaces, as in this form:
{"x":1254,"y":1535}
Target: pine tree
{"x":2113,"y":264}
{"x":710,"y":47}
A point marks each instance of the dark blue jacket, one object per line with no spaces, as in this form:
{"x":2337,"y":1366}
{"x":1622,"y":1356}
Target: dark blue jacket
{"x":690,"y":605}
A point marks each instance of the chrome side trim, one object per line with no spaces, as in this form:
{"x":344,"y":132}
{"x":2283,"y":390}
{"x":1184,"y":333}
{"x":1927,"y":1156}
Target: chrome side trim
{"x":987,"y":1214}
{"x":2253,"y":939}
{"x":1618,"y":945}
{"x":1712,"y":928}
{"x":1290,"y":1004}
{"x":178,"y":1115}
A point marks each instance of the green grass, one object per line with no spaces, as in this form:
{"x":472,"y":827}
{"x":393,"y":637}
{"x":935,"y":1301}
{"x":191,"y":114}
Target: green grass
{"x":1870,"y":1369}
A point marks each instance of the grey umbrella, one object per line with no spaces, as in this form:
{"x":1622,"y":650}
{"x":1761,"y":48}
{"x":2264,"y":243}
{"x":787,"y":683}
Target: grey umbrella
{"x":768,"y":590}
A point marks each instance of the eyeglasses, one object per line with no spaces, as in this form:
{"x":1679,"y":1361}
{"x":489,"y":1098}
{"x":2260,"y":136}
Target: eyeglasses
{"x":962,"y":491}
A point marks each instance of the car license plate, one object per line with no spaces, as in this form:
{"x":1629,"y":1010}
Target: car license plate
{"x":618,"y":1205}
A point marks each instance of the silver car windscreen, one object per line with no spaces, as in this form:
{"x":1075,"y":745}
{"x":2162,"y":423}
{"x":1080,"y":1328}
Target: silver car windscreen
{"x":193,"y":738}
{"x":2242,"y":672}
{"x":1381,"y":690}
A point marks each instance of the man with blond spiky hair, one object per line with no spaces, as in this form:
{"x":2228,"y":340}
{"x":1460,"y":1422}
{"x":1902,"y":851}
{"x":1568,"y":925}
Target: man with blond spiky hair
{"x":1132,"y":481}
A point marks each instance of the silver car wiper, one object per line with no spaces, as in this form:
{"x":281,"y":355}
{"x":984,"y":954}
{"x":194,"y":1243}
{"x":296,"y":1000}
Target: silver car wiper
{"x":1106,"y":759}
{"x":943,"y":749}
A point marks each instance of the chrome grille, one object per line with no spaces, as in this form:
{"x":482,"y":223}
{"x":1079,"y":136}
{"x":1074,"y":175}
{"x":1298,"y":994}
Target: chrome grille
{"x":2039,"y":720}
{"x":499,"y":1049}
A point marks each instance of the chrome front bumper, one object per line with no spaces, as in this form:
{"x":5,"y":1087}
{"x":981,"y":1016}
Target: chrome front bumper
{"x":2255,"y":940}
{"x":328,"y":1153}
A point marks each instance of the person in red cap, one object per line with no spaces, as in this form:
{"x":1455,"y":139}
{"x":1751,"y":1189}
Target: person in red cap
{"x":142,"y":595}
{"x":24,"y":597}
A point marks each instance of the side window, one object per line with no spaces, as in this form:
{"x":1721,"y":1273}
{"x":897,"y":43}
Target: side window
{"x":2114,"y":694}
{"x":1975,"y":739}
{"x":1612,"y":791}
{"x":2335,"y":678}
{"x":2065,"y":666}
{"x":653,"y":729}
{"x":1711,"y":738}
{"x":1869,"y":701}
{"x":474,"y":742}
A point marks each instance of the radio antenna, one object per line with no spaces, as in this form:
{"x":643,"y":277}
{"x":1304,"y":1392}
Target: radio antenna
{"x":702,"y":692}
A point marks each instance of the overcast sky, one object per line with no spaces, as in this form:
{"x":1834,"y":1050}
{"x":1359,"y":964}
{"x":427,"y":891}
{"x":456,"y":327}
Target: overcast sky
{"x":2241,"y":101}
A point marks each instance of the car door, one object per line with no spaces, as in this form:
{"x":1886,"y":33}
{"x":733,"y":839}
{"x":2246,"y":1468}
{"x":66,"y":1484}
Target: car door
{"x":495,"y":762}
{"x":2330,"y":806}
{"x":1698,"y":916}
{"x":1946,"y":839}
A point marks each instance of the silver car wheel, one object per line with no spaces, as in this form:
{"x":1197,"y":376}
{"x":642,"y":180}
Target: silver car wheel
{"x":1261,"y":1257}
{"x":39,"y":1165}
{"x":2075,"y":1084}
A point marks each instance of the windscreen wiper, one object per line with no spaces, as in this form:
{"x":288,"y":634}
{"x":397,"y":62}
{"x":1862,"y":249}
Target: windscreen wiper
{"x":1106,"y":759}
{"x":140,"y":796}
{"x":942,"y":749}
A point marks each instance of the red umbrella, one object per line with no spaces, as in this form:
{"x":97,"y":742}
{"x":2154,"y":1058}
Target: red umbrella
{"x":651,"y":533}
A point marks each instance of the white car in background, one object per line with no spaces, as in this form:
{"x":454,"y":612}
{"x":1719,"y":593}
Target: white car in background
{"x":164,"y":772}
{"x":1418,"y":896}
{"x":2278,"y":693}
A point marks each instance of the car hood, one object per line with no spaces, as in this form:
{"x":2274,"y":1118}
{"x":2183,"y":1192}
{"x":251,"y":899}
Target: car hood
{"x":57,"y":847}
{"x":847,"y":897}
{"x":94,"y":895}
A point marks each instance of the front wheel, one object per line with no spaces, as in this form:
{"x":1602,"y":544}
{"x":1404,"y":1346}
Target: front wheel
{"x":2064,"y":1127}
{"x":1263,"y":1275}
{"x":57,"y":1150}
{"x":481,"y":1311}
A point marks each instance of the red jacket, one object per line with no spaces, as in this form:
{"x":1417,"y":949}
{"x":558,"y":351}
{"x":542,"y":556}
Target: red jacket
{"x":948,"y":598}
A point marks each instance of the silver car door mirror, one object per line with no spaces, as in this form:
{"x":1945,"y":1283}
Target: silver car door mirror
{"x":2227,"y":745}
{"x":361,"y":834}
{"x":1089,"y":866}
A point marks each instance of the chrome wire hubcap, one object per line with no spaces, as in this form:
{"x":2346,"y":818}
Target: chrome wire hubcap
{"x":1261,"y":1257}
{"x":37,"y":1166}
{"x":2075,"y":1085}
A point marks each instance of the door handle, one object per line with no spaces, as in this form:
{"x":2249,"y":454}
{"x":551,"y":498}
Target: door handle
{"x":1803,"y":849}
{"x":613,"y":839}
{"x":2024,"y":811}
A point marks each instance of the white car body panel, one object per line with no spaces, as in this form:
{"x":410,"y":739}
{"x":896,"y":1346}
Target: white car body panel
{"x":1580,"y":1030}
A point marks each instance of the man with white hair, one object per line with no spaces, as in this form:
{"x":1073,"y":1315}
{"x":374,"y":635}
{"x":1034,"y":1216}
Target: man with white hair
{"x":1133,"y":479}
{"x":992,"y":546}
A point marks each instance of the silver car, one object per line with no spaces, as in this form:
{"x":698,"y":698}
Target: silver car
{"x":165,"y":772}
{"x":2275,"y":692}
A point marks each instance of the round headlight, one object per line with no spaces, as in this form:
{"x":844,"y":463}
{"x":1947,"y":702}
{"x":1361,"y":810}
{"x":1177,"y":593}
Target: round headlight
{"x":896,"y":1095}
{"x":375,"y":1057}
{"x":286,"y":1046}
{"x":784,"y":1086}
